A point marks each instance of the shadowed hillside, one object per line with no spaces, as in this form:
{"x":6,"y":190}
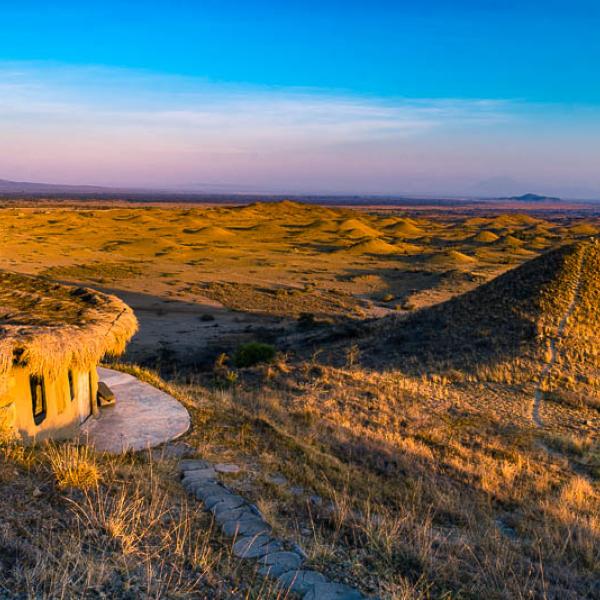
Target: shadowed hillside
{"x":500,"y":330}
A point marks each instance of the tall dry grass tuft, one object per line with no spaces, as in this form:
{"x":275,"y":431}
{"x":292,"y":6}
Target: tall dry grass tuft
{"x":73,"y":466}
{"x":578,"y":493}
{"x":145,"y":533}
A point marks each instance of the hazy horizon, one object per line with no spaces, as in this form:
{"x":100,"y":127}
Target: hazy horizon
{"x":468,"y":99}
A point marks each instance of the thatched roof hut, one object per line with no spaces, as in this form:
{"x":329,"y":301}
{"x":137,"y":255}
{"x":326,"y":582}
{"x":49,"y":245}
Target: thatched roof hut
{"x":54,"y":334}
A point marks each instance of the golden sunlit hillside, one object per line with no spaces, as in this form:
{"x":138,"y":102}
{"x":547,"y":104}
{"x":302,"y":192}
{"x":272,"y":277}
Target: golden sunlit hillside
{"x":300,"y":301}
{"x":394,"y":391}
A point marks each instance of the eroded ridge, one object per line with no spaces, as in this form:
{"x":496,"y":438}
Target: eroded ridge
{"x":549,"y":364}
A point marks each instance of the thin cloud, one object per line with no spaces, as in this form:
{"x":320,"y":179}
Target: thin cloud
{"x":128,"y":99}
{"x":114,"y":126}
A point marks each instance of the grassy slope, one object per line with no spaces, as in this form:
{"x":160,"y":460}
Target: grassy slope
{"x":494,"y":332}
{"x":413,"y":479}
{"x":76,"y":524}
{"x":431,"y":485}
{"x":574,"y":382}
{"x":579,"y":349}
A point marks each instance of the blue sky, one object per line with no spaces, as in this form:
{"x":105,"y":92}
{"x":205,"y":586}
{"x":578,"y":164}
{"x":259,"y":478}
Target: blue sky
{"x":383,"y":97}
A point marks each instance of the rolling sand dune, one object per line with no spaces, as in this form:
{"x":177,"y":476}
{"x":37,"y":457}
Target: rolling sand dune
{"x":374,"y":246}
{"x":405,"y":228}
{"x":355,"y":227}
{"x":452,"y":257}
{"x":485,"y":237}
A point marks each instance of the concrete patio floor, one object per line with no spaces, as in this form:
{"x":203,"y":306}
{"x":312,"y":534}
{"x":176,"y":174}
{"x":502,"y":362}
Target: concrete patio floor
{"x":142,"y":417}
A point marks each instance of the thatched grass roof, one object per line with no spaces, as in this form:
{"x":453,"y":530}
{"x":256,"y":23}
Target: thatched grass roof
{"x":48,"y":326}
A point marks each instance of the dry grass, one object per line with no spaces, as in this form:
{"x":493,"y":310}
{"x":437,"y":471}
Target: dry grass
{"x":419,"y":480}
{"x":73,"y":466}
{"x":413,"y":482}
{"x":428,"y":490}
{"x":495,"y":332}
{"x":131,"y":534}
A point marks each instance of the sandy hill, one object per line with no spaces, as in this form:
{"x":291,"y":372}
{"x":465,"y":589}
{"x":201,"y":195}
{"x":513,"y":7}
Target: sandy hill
{"x":503,"y":324}
{"x":356,"y":227}
{"x":371,"y":247}
{"x":513,"y":220}
{"x":511,"y":241}
{"x":214,"y":233}
{"x":584,"y":229}
{"x":485,"y":237}
{"x":405,"y":227}
{"x":451,"y":257}
{"x":286,"y":210}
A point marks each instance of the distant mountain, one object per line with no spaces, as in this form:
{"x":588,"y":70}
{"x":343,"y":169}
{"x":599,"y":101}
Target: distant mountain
{"x":507,"y":188}
{"x":242,"y":194}
{"x":532,"y":198}
{"x":14,"y":188}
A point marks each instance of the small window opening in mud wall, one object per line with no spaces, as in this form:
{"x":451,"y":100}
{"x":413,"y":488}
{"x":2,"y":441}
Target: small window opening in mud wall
{"x":38,"y":398}
{"x":71,"y":385}
{"x":93,"y":399}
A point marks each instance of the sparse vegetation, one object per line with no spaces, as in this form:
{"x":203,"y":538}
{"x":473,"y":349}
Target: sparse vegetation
{"x":400,"y":453}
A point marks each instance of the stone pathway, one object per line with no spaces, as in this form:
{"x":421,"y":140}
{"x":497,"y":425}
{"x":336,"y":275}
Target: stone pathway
{"x":142,"y":417}
{"x":242,"y":521}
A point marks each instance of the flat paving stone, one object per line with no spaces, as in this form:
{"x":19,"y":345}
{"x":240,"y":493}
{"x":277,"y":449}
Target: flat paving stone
{"x":227,"y":468}
{"x":192,"y":485}
{"x":232,"y":505}
{"x":215,"y":499}
{"x":206,"y":489}
{"x":300,"y":581}
{"x":278,"y":557}
{"x":332,"y":591}
{"x":200,"y":475}
{"x":229,"y":514}
{"x":278,"y":563}
{"x":193,"y":464}
{"x":255,"y":546}
{"x":143,"y":416}
{"x":228,"y":503}
{"x":245,"y":527}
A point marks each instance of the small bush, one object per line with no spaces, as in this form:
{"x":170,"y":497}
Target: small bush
{"x":253,"y":353}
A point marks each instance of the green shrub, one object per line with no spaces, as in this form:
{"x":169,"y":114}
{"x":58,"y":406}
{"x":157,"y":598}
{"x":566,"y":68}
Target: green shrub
{"x":253,"y":353}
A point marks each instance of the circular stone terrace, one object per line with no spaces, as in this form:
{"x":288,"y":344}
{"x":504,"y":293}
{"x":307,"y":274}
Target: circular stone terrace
{"x":142,"y":416}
